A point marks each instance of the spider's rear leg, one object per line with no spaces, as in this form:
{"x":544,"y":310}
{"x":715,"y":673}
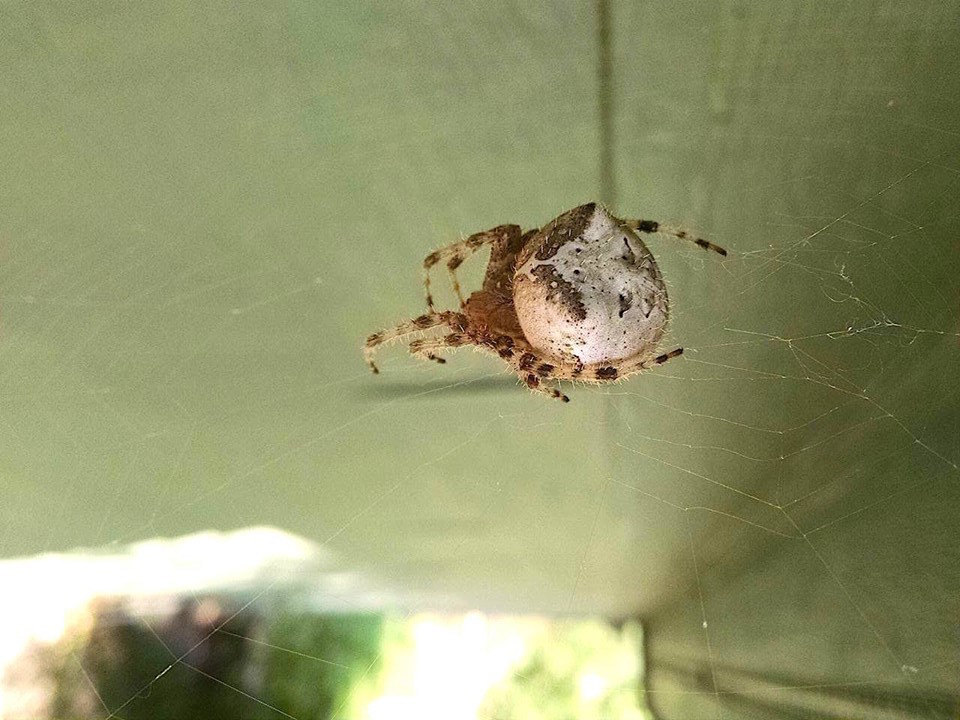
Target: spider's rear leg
{"x":455,"y":321}
{"x":652,"y":226}
{"x":455,"y":254}
{"x":533,"y":382}
{"x":631,"y":367}
{"x":428,"y":348}
{"x":533,"y":369}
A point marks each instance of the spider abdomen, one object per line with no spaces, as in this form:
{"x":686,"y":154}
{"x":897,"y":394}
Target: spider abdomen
{"x":586,"y":287}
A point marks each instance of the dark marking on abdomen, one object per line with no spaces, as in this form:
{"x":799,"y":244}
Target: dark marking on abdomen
{"x":560,"y":291}
{"x":568,"y":226}
{"x":606,"y":373}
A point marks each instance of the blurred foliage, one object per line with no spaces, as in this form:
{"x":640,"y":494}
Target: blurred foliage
{"x":213,"y":658}
{"x":213,"y":664}
{"x":340,"y":655}
{"x":578,"y":670}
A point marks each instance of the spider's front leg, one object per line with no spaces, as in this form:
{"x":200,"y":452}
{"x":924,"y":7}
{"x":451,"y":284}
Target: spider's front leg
{"x":455,"y":254}
{"x":427,"y":349}
{"x":455,"y":321}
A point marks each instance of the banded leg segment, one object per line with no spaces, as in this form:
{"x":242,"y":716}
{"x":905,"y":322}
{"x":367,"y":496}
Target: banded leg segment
{"x":620,"y":370}
{"x":537,"y":385}
{"x":428,"y":348}
{"x":632,"y":368}
{"x":533,"y":369}
{"x":454,"y":255}
{"x":652,"y":227}
{"x":455,"y":321}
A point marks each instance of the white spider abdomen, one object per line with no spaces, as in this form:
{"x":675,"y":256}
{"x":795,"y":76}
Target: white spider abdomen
{"x":587,"y":288}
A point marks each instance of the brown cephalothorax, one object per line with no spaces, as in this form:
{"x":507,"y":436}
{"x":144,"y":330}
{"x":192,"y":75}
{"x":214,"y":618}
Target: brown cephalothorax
{"x":581,"y":298}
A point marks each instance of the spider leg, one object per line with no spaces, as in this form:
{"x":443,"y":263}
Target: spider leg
{"x":455,"y":321}
{"x":533,"y":369}
{"x":533,"y":382}
{"x":455,"y":254}
{"x":427,"y":349}
{"x":652,"y":226}
{"x":635,"y":366}
{"x":617,"y":370}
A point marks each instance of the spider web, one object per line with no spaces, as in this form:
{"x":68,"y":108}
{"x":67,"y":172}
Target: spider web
{"x":205,"y":210}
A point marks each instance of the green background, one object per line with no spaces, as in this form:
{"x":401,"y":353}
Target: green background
{"x":205,"y":207}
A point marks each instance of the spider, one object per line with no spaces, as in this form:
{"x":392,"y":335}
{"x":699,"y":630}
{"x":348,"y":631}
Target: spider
{"x":580,"y":298}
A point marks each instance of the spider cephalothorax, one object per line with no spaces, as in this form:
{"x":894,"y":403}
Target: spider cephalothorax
{"x":581,"y":298}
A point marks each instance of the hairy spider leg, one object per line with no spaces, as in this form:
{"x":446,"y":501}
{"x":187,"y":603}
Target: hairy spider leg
{"x":652,"y":226}
{"x":455,"y":321}
{"x":534,"y":383}
{"x":427,"y":348}
{"x":455,"y":254}
{"x":632,"y":367}
{"x":533,"y":369}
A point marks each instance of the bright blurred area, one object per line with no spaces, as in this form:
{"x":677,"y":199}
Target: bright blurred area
{"x":229,"y":623}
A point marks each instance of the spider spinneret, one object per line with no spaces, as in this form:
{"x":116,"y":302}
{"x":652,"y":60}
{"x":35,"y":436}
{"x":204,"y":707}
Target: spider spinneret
{"x":581,"y":298}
